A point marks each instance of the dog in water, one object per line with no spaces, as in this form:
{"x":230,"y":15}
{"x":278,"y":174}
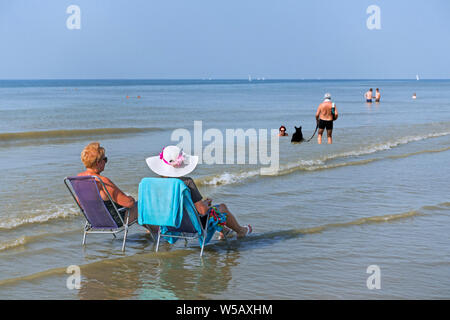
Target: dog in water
{"x":298,"y":135}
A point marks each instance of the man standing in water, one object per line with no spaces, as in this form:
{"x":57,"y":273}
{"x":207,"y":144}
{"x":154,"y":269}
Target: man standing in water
{"x":377,"y":95}
{"x":325,"y":115}
{"x":369,"y":95}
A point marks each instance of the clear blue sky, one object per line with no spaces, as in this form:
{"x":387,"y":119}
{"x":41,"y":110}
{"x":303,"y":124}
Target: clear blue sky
{"x":224,"y":39}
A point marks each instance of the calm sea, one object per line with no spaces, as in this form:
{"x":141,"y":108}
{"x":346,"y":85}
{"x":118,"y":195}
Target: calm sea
{"x":378,"y":196}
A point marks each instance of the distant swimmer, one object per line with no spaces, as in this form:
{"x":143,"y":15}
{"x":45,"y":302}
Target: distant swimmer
{"x":325,"y":115}
{"x":369,"y":95}
{"x":282,"y":132}
{"x":414,"y":96}
{"x":377,"y":95}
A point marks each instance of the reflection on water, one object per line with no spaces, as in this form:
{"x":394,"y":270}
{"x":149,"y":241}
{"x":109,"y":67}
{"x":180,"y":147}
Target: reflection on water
{"x":171,"y":275}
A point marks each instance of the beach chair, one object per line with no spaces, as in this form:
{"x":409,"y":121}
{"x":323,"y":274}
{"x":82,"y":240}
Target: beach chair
{"x":167,"y":203}
{"x":86,"y":194}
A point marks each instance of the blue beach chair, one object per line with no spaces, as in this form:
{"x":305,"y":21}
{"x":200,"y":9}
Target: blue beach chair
{"x":167,"y":202}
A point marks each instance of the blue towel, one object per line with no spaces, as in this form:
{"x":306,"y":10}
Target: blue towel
{"x":161,"y":203}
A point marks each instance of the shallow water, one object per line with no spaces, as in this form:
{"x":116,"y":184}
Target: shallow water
{"x":378,"y":195}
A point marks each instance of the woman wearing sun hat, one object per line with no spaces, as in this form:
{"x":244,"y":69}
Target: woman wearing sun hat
{"x":172,"y":162}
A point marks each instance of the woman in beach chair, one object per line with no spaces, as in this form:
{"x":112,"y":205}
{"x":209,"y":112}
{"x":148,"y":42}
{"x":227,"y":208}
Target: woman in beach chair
{"x":174,"y":163}
{"x":93,"y":158}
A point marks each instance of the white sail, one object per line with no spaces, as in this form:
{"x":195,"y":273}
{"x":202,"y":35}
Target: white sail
{"x":417,"y":77}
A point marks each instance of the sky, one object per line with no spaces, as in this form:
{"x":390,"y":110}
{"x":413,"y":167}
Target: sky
{"x":224,"y":39}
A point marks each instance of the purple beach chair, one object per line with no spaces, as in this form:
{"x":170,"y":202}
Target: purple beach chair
{"x":85,"y":192}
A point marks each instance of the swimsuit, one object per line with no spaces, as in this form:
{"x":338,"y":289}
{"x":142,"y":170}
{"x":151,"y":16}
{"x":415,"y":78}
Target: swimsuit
{"x":368,"y":100}
{"x":217,"y":219}
{"x":326,"y":124}
{"x":113,"y":212}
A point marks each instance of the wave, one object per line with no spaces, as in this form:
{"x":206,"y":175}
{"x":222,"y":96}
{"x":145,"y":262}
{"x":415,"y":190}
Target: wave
{"x":321,"y":164}
{"x":13,"y":243}
{"x":30,"y":239}
{"x":34,"y":276}
{"x":361,"y":221}
{"x":53,"y":213}
{"x":227,"y":178}
{"x":388,"y":145}
{"x":295,"y":233}
{"x":354,"y":163}
{"x":72,"y":133}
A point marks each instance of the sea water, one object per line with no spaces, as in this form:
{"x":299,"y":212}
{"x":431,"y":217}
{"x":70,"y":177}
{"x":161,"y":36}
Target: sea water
{"x":378,"y":196}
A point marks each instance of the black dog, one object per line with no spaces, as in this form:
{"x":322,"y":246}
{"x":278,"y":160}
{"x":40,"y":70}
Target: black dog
{"x":298,"y":135}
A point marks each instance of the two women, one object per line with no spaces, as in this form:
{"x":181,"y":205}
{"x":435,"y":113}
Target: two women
{"x":171,"y":163}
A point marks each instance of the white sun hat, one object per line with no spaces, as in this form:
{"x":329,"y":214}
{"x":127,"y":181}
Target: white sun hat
{"x":327,"y":96}
{"x":172,"y":162}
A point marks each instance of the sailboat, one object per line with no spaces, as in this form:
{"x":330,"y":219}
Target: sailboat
{"x":249,"y":78}
{"x":417,"y":77}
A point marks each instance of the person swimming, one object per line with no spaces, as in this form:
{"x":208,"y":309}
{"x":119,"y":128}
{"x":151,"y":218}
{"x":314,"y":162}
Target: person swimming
{"x":282,"y":132}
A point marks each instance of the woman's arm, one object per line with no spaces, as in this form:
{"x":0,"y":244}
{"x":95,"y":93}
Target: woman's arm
{"x":117,"y":195}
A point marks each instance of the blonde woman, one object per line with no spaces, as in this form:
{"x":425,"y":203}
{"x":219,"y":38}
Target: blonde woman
{"x":94,"y":159}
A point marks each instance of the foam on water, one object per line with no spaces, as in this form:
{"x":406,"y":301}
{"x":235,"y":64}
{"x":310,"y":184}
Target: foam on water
{"x":320,"y":164}
{"x":13,"y":243}
{"x":38,"y":216}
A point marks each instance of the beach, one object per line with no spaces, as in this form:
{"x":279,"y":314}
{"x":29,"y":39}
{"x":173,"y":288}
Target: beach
{"x":378,"y":195}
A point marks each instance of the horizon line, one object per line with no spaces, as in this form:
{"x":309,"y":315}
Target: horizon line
{"x":218,"y":79}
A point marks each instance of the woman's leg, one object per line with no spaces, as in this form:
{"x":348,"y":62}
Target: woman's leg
{"x":134,"y":217}
{"x":133,"y":213}
{"x":232,"y":222}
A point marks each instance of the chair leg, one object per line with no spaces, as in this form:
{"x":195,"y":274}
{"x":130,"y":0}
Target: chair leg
{"x":124,"y":238}
{"x":203,"y":246}
{"x":84,"y":234}
{"x":84,"y":238}
{"x":157,"y":242}
{"x":126,"y":231}
{"x":205,"y":233}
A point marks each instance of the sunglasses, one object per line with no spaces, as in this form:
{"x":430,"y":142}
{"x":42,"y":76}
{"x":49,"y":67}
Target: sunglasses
{"x":106,"y":159}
